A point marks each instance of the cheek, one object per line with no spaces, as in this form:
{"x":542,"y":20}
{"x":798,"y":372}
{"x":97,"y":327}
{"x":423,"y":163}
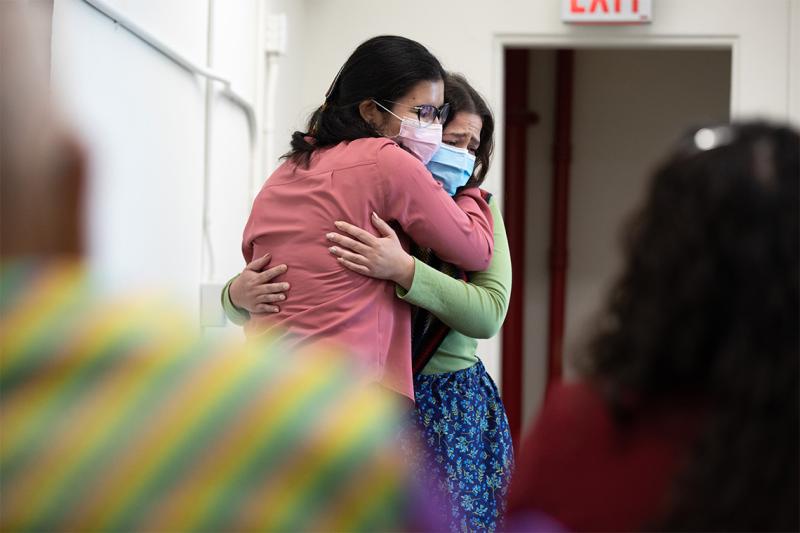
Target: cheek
{"x":390,"y":126}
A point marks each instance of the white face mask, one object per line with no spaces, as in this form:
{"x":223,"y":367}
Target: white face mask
{"x":422,"y":141}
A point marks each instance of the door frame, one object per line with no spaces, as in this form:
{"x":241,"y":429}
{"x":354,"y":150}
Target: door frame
{"x":512,"y":386}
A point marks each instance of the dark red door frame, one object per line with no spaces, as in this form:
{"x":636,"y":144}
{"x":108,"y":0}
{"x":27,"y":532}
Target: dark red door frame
{"x":517,"y":121}
{"x":562,"y":154}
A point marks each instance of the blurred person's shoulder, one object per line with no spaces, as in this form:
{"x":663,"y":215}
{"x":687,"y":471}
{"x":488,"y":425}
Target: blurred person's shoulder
{"x":583,"y":409}
{"x":593,"y":470}
{"x":54,"y":317}
{"x":574,"y":403}
{"x":54,"y":313}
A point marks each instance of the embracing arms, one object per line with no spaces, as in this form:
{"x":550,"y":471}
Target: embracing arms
{"x":476,"y":309}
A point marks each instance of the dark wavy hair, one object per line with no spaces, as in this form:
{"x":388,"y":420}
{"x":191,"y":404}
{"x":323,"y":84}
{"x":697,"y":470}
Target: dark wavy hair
{"x":707,"y":310}
{"x":464,"y":99}
{"x":383,"y":68}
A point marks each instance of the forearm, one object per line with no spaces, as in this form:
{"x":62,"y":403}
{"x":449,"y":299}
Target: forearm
{"x":234,"y":314}
{"x":476,"y":309}
{"x":405,"y":277}
{"x":473,"y":310}
{"x":459,"y":232}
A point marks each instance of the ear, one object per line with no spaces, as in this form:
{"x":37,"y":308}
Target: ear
{"x":371,"y":114}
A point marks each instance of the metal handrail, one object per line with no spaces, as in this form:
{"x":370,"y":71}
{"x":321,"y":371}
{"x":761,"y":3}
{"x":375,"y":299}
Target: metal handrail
{"x":145,"y":36}
{"x":212,"y":76}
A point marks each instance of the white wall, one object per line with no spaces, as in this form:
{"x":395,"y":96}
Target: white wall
{"x":143,"y":120}
{"x":291,"y":112}
{"x":235,"y":54}
{"x":794,"y":62}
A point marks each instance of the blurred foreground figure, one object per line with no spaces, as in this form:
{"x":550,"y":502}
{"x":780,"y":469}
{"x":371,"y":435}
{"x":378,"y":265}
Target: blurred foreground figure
{"x":116,"y":416}
{"x":687,"y":417}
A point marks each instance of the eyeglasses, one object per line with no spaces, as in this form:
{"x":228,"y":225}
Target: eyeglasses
{"x":426,"y":113}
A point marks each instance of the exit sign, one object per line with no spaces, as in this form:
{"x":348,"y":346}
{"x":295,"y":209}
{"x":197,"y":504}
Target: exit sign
{"x":607,"y":11}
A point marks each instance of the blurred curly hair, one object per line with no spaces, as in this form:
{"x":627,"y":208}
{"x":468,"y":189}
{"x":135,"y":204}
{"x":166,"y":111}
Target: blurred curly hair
{"x":707,"y":309}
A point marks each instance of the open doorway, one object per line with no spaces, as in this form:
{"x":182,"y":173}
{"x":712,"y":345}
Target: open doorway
{"x":584,"y":129}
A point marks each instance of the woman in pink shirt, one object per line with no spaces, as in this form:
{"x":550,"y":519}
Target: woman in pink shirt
{"x":364,"y":152}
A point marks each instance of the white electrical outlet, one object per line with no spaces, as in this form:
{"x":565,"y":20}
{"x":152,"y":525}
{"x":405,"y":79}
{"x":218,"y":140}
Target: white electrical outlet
{"x":211,"y":311}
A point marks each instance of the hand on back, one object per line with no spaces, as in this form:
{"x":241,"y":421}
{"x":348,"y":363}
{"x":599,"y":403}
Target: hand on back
{"x":376,"y":257}
{"x":253,"y":289}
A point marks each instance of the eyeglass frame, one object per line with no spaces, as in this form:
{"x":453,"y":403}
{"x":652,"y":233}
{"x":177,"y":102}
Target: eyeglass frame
{"x":441,"y":112}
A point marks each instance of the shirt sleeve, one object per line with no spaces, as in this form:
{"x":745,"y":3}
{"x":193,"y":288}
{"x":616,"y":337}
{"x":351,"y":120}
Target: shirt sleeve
{"x":460,"y":231}
{"x":475,"y":309}
{"x":234,"y":314}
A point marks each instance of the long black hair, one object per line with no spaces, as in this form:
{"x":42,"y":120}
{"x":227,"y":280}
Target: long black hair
{"x":463,"y":98}
{"x":707,"y":309}
{"x":383,"y":68}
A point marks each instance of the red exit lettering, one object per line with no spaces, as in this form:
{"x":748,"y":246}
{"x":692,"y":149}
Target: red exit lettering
{"x":598,"y":6}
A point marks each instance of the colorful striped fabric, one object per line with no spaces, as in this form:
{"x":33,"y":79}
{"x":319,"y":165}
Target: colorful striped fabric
{"x":119,"y":417}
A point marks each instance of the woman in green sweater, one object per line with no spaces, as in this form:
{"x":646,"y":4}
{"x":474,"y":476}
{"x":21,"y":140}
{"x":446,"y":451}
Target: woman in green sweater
{"x":468,"y":447}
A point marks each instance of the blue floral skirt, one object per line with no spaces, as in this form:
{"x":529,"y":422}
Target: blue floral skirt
{"x":467,"y":445}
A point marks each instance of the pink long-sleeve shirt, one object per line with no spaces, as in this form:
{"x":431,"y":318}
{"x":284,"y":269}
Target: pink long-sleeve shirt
{"x":327,"y":303}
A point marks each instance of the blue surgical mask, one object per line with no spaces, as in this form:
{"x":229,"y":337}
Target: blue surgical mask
{"x":452,"y":167}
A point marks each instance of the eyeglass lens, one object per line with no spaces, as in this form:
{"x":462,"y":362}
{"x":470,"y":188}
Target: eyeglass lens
{"x":427,"y":113}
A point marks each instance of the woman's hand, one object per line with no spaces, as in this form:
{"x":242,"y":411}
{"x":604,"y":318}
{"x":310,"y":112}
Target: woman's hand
{"x":376,"y":257}
{"x":252,"y":289}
